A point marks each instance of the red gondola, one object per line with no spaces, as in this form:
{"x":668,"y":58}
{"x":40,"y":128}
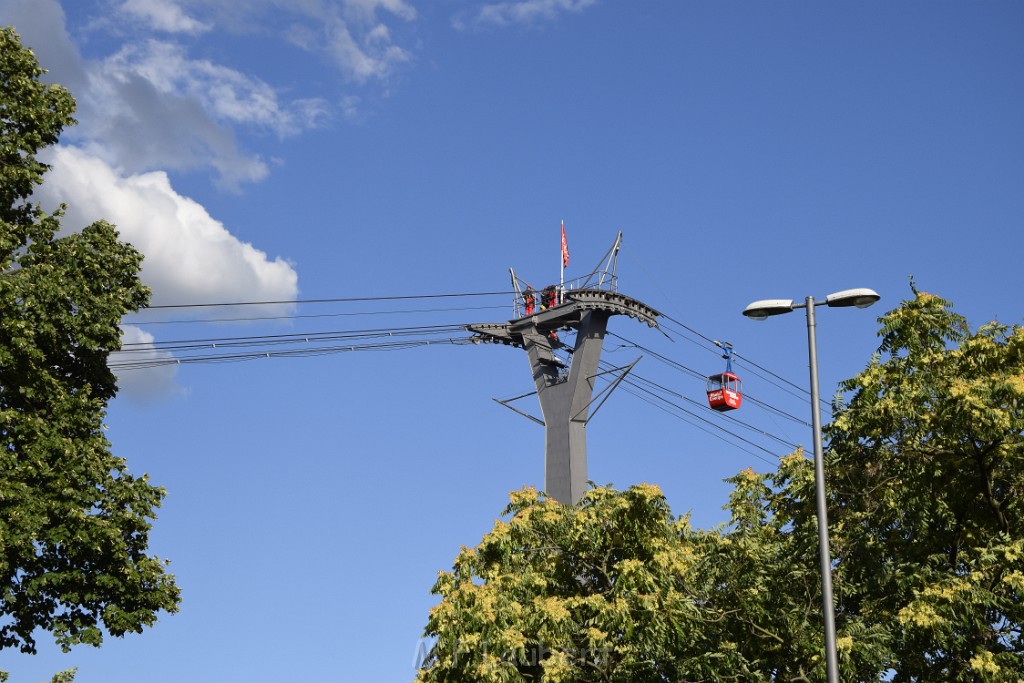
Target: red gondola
{"x":725,"y":391}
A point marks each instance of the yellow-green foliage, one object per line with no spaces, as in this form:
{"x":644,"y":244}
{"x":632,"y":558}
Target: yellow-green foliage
{"x":926,"y":484}
{"x":610,"y":586}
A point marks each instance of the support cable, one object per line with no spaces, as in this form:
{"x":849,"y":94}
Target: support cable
{"x":291,"y":302}
{"x":291,"y":338}
{"x":701,"y":376}
{"x":143,"y":363}
{"x":636,"y":380}
{"x":308,"y":316}
{"x":648,"y":396}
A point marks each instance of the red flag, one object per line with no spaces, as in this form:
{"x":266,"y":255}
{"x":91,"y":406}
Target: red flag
{"x":565,"y":248}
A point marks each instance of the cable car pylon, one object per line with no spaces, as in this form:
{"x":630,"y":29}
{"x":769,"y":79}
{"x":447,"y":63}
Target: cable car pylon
{"x":566,"y":392}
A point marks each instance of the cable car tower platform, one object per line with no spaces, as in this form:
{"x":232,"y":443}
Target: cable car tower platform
{"x":566,"y":392}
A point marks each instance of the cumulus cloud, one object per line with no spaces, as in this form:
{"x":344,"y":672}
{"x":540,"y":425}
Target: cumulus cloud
{"x":190,"y":256}
{"x":518,"y":12}
{"x":143,"y":371}
{"x":150,"y":106}
{"x":226,"y":94}
{"x":163,"y":15}
{"x":40,"y":23}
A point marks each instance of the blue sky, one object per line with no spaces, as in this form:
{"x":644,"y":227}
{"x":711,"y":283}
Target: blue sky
{"x":319,"y":149}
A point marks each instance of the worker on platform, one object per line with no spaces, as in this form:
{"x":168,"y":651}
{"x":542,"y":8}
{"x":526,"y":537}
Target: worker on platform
{"x":529,"y":301}
{"x":549,"y":298}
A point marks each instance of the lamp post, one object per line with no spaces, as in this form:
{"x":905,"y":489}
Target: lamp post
{"x":760,"y":310}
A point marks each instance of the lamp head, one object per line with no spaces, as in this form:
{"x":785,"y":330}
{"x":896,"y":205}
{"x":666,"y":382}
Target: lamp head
{"x":759,"y":310}
{"x":861,"y":298}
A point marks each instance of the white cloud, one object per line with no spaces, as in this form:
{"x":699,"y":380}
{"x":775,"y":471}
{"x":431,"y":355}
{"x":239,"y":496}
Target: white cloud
{"x":190,"y":256}
{"x":372,"y":57}
{"x":519,"y":12}
{"x":150,"y":106}
{"x":143,"y":383}
{"x":163,"y":15}
{"x":227,"y":95}
{"x":360,"y":46}
{"x":348,"y":32}
{"x":368,"y":8}
{"x":40,"y":23}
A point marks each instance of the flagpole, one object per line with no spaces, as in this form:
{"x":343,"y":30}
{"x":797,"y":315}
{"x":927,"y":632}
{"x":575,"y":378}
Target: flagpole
{"x":561,"y":264}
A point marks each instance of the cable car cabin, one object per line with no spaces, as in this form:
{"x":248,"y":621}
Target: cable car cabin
{"x":724,"y":392}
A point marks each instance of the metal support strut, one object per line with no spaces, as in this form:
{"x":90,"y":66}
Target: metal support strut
{"x":566,"y":398}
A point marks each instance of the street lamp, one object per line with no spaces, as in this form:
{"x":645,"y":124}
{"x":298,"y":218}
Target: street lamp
{"x":760,"y":310}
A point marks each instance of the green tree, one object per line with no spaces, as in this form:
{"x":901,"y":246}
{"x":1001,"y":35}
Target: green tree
{"x":767,"y":583}
{"x":610,"y":589}
{"x":925,"y":470}
{"x":615,"y":589}
{"x":59,"y":677}
{"x":926,"y":466}
{"x":73,"y":522}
